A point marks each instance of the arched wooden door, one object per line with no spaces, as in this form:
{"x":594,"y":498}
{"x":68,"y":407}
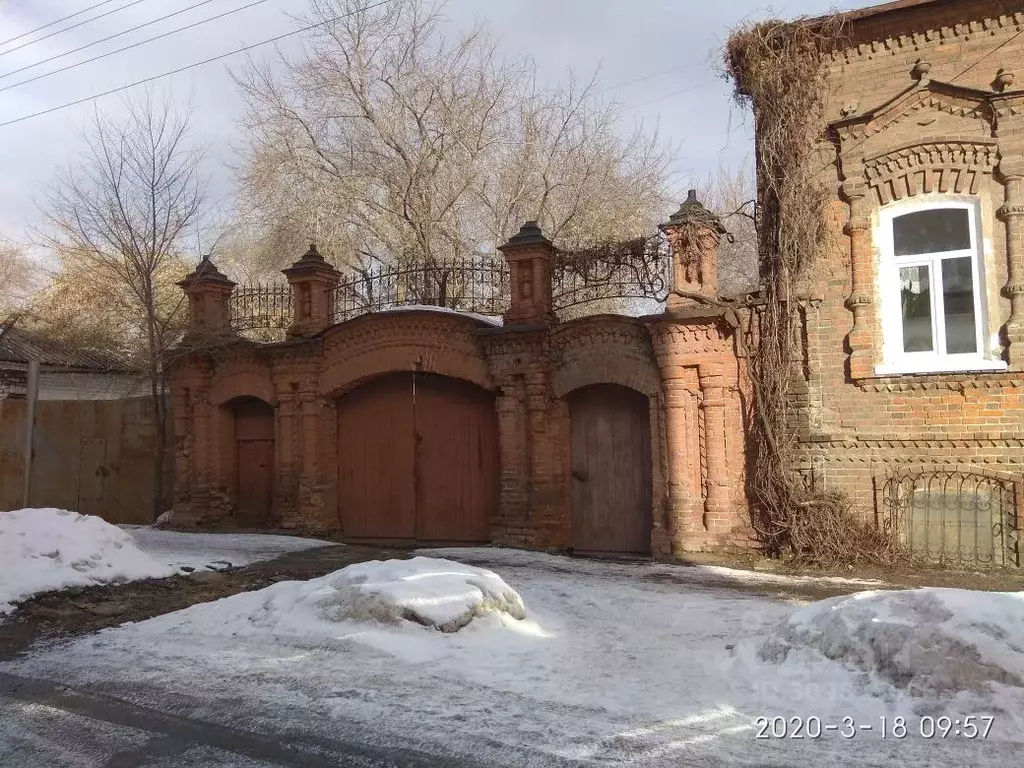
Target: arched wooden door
{"x":417,"y":460}
{"x":254,"y":460}
{"x":611,"y":470}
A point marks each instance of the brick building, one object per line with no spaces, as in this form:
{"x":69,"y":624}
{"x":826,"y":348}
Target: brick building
{"x":915,"y":325}
{"x":626,"y":433}
{"x":385,"y":420}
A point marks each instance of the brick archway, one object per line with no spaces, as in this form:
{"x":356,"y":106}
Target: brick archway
{"x":427,"y":342}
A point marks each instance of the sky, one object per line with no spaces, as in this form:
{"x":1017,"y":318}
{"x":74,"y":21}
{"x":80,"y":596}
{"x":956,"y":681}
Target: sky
{"x":657,"y":57}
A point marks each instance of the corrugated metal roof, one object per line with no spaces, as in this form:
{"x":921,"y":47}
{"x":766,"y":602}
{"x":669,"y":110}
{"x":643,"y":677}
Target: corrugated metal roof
{"x":18,"y":346}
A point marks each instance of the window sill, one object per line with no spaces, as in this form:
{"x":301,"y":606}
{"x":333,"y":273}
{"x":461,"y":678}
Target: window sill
{"x":931,"y":367}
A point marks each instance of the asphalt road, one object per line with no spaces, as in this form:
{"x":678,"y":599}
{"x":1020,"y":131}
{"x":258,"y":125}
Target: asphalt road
{"x":49,"y":725}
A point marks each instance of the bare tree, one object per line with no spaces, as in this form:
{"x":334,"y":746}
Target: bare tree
{"x":387,"y":142}
{"x":117,"y":220}
{"x":730,"y":194}
{"x":20,"y":276}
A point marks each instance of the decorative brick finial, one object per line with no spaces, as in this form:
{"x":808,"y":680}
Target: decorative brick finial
{"x":209,"y":291}
{"x":693,"y":234}
{"x":312,"y":280}
{"x":529,"y":255}
{"x":920,"y":70}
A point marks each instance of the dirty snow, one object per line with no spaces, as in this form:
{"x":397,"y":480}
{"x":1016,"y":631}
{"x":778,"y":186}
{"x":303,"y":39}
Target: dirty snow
{"x":496,"y":320}
{"x":613,"y":664}
{"x":930,"y":641}
{"x":435,"y":593}
{"x":704,"y":574}
{"x":47,"y":549}
{"x":216,"y":551}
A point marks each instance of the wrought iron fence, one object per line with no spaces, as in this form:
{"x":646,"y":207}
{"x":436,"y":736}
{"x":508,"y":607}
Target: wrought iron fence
{"x":261,"y":311}
{"x":479,"y":284}
{"x":954,"y":518}
{"x":631,"y":277}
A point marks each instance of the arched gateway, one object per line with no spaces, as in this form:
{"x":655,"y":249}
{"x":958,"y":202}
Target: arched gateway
{"x":382,"y":423}
{"x":417,"y":460}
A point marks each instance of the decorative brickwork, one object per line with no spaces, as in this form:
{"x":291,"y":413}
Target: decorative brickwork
{"x":921,"y":108}
{"x":684,"y":364}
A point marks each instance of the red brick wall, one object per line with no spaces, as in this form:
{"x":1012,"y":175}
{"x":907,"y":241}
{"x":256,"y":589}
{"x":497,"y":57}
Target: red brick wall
{"x":697,"y":500}
{"x":860,"y":427}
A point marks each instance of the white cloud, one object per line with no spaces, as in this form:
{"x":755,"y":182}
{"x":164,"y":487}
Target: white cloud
{"x":629,"y":40}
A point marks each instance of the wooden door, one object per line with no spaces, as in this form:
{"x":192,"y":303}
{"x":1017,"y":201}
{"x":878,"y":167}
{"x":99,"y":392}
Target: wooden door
{"x":254,"y":460}
{"x":457,"y":476}
{"x":376,"y":460}
{"x":611,"y":470}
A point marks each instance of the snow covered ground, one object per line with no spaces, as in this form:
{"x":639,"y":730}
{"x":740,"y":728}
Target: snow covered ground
{"x":47,"y":549}
{"x":612,"y":665}
{"x":203,"y":550}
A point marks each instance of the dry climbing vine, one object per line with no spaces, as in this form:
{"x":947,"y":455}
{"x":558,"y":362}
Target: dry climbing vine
{"x":777,"y":70}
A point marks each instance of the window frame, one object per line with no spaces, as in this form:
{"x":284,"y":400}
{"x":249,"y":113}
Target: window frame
{"x":895,"y":359}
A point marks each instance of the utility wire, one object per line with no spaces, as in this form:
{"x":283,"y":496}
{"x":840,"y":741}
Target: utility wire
{"x":651,"y":76}
{"x":105,"y":39}
{"x":193,"y":65}
{"x":667,"y":95}
{"x":125,"y":48}
{"x":68,"y":29}
{"x":50,"y":24}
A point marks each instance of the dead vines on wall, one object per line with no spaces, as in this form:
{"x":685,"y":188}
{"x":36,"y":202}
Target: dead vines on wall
{"x":777,"y":71}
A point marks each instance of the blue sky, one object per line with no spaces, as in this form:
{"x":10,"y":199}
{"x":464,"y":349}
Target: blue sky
{"x":658,"y":57}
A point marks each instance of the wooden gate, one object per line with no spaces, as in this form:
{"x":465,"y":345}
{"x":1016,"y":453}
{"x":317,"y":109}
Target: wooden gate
{"x":417,"y":460}
{"x":611,"y":470}
{"x":254,"y":460}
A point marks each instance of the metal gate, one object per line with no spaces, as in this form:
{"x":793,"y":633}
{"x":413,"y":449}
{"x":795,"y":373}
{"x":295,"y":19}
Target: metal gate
{"x":611,"y":470}
{"x":417,"y":460}
{"x":254,"y":460}
{"x":955,"y":518}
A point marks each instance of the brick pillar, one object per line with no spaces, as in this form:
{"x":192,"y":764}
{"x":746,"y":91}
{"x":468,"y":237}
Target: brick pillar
{"x":183,"y":449}
{"x":1012,"y":213}
{"x":529,"y":256}
{"x":717,"y":503}
{"x":685,"y":529}
{"x":860,"y":301}
{"x":312,"y":280}
{"x":209,"y":293}
{"x":200,"y":456}
{"x":513,"y":506}
{"x":694,"y":234}
{"x":286,"y":472}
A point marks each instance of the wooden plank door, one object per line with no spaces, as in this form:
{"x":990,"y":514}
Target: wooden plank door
{"x":254,"y":461}
{"x":255,"y":481}
{"x":376,"y":460}
{"x":457,"y":477}
{"x":610,"y":452}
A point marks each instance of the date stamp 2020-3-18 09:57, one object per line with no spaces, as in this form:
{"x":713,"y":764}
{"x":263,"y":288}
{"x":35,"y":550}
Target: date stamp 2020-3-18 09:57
{"x":923,"y":727}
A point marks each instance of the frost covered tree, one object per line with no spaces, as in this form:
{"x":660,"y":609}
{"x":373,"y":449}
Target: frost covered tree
{"x":388,"y":141}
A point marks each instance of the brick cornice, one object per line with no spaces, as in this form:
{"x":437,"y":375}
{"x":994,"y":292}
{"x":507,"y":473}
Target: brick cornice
{"x":926,"y":36}
{"x":937,"y":382}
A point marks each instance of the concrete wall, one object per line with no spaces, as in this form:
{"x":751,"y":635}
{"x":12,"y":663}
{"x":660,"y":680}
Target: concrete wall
{"x":93,"y":457}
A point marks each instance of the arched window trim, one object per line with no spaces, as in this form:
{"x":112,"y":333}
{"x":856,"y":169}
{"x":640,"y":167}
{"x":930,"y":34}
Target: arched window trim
{"x":895,"y":360}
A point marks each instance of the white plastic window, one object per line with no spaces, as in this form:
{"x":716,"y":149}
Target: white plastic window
{"x":931,"y":280}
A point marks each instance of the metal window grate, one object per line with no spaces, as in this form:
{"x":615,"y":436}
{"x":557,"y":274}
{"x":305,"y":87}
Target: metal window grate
{"x":954,"y":518}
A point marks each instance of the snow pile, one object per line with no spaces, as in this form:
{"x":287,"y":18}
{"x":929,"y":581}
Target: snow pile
{"x":215,"y":551}
{"x":440,"y":594}
{"x":926,"y":641}
{"x":47,"y":549}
